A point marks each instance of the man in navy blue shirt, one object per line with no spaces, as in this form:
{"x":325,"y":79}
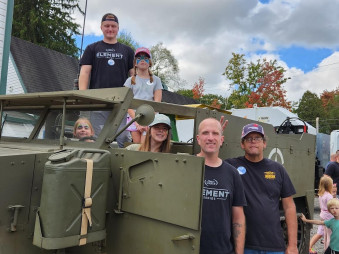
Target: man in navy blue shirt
{"x":266,"y":182}
{"x":223,"y":220}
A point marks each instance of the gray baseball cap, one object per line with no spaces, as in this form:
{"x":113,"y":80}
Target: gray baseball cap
{"x":160,"y":118}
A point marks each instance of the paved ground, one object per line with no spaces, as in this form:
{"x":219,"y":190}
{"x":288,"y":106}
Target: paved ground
{"x":319,"y":247}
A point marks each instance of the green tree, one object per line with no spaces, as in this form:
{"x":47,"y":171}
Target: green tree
{"x":246,"y":78}
{"x":47,"y":23}
{"x":216,"y":101}
{"x":166,"y":67}
{"x":185,"y":92}
{"x":310,"y":107}
{"x":127,"y":39}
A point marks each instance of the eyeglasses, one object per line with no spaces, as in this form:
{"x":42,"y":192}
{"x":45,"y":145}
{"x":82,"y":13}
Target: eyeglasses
{"x":160,"y":128}
{"x":85,"y":126}
{"x":254,"y":140}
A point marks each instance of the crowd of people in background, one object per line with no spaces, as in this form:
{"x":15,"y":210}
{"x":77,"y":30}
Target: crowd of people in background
{"x":245,"y":218}
{"x":328,"y":191}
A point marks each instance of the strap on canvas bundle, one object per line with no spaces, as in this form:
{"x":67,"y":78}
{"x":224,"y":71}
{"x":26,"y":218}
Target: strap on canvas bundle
{"x":87,"y":204}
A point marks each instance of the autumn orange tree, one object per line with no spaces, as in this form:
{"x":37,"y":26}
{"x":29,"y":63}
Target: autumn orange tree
{"x":327,"y":97}
{"x":330,"y":101}
{"x":259,"y":82}
{"x":270,"y":91}
{"x":197,"y":93}
{"x":198,"y":88}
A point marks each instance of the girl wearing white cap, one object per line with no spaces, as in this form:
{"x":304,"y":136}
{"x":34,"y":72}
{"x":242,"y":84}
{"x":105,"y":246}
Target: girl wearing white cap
{"x":158,"y":136}
{"x":145,"y":86}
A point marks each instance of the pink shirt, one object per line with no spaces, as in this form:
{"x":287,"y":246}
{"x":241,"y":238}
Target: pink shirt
{"x":324,"y":214}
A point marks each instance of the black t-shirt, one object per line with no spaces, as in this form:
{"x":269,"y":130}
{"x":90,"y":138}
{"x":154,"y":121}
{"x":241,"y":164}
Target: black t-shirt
{"x":265,"y":182}
{"x":110,"y":64}
{"x":222,"y":190}
{"x":333,"y":171}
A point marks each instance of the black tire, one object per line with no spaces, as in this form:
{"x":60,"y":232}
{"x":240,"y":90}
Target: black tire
{"x":304,"y":231}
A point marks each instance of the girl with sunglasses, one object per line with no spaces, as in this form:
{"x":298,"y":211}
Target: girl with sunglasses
{"x":145,"y":86}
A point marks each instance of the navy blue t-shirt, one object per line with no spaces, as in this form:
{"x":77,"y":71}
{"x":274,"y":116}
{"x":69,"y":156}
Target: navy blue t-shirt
{"x":222,"y":190}
{"x":265,"y":182}
{"x":333,"y":171}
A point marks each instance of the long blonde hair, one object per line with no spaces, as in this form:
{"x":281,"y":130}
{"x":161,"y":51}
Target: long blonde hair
{"x":165,"y":146}
{"x":325,"y":184}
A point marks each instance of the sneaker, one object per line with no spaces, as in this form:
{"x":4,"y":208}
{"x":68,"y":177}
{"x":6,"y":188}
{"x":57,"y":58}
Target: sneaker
{"x":312,"y":251}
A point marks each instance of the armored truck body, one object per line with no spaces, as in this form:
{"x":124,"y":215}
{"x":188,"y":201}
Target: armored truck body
{"x":60,"y":195}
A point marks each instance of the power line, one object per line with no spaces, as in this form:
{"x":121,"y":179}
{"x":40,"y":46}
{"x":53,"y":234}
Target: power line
{"x":318,"y":68}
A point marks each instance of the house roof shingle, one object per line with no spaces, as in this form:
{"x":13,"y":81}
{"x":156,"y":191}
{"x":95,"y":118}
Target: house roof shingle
{"x":42,"y":69}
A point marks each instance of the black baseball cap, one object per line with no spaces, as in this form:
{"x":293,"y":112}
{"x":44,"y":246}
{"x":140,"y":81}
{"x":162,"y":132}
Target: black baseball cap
{"x":110,"y":17}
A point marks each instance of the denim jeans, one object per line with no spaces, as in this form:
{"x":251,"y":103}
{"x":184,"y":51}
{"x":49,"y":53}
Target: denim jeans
{"x":251,"y":251}
{"x":98,"y":119}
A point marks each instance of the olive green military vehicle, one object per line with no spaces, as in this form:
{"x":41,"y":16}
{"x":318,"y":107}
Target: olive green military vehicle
{"x":60,"y":195}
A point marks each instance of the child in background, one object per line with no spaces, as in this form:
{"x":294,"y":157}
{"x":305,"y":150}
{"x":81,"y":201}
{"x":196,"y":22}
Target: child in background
{"x":333,"y":224}
{"x":145,"y":86}
{"x":334,"y":190}
{"x":325,"y":194}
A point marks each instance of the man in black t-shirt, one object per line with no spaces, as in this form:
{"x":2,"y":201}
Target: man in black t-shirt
{"x":265,"y":183}
{"x":223,"y":220}
{"x":105,"y":64}
{"x":332,"y":170}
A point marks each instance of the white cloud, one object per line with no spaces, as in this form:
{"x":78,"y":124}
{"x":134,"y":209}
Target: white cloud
{"x":203,"y":34}
{"x":324,"y":77}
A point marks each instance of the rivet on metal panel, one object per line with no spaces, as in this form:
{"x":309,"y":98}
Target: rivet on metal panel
{"x":22,"y":162}
{"x":156,"y":160}
{"x":176,"y":160}
{"x":122,"y":155}
{"x":291,"y":149}
{"x":116,"y":154}
{"x":160,"y":184}
{"x":12,"y":163}
{"x":184,"y":160}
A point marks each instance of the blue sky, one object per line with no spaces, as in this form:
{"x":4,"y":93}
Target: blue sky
{"x":302,"y":35}
{"x":303,"y":58}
